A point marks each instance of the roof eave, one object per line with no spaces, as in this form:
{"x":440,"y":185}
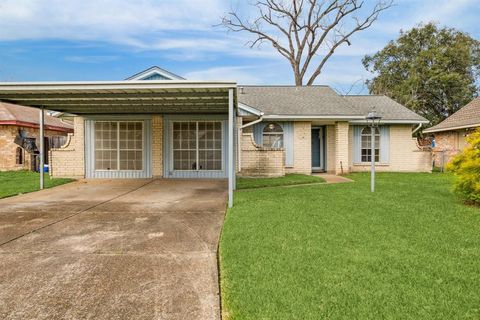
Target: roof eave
{"x":433,"y":130}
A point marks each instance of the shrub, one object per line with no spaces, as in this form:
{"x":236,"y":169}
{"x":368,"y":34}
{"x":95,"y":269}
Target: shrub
{"x":466,"y":167}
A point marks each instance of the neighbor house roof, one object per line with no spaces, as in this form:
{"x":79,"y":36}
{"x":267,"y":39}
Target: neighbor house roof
{"x":322,"y":102}
{"x":466,"y":117}
{"x":387,"y":108}
{"x":12,"y":114}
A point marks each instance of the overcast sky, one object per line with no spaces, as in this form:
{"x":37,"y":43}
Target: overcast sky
{"x":50,"y":40}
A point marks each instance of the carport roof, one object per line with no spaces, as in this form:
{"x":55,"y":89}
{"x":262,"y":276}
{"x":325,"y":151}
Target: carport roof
{"x":100,"y":97}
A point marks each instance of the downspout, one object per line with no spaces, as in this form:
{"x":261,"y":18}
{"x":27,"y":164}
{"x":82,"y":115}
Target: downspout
{"x":417,"y":128}
{"x":239,"y":138}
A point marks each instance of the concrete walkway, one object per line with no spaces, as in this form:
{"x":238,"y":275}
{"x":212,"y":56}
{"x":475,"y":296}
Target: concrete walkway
{"x":112,"y":249}
{"x":331,"y":178}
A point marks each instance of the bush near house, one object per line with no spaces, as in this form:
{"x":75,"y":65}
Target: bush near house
{"x":466,"y":167}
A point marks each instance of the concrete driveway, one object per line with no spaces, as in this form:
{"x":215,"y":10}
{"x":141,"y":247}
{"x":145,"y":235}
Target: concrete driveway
{"x":112,"y":249}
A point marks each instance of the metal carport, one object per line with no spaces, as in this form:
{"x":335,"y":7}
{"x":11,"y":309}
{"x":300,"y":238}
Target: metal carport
{"x":130,"y":97}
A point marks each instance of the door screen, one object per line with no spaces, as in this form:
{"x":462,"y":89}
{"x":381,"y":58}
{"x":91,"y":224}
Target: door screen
{"x":118,"y":145}
{"x":197,"y":145}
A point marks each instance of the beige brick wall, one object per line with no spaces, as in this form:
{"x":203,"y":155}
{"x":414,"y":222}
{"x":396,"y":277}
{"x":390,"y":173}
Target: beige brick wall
{"x":330,"y":148}
{"x":302,"y":152}
{"x":8,"y":148}
{"x":342,"y":147}
{"x":405,"y":156}
{"x":259,"y":161}
{"x":69,"y":160}
{"x":157,"y":146}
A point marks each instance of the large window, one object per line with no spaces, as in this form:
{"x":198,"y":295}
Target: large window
{"x":273,"y":136}
{"x":367,"y":144}
{"x":118,"y":145}
{"x":197,"y":145}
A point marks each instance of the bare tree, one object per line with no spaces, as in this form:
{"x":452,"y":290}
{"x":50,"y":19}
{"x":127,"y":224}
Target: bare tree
{"x":301,"y":30}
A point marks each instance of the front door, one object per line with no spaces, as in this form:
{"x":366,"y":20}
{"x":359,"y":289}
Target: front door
{"x":318,"y":150}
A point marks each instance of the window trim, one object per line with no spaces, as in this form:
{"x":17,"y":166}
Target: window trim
{"x":377,"y":135}
{"x":282,"y":134}
{"x":118,"y":146}
{"x":196,"y":121}
{"x":19,"y":156}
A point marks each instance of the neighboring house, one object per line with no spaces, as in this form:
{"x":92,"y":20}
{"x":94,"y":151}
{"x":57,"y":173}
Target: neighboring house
{"x":157,"y":124}
{"x":450,"y":135}
{"x":18,"y":121}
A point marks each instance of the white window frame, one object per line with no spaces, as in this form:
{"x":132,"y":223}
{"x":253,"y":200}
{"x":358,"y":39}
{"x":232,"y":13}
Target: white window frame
{"x":273,"y":134}
{"x":222,"y":151}
{"x":118,"y":146}
{"x":378,"y":136}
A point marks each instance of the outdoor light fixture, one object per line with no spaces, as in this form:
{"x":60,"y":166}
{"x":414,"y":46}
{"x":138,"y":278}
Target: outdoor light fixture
{"x":373,"y":120}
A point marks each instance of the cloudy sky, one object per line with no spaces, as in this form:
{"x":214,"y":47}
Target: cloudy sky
{"x":50,"y":40}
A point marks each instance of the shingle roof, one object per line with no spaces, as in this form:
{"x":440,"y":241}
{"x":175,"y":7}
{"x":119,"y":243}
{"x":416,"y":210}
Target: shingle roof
{"x":16,"y":114}
{"x":386,"y":107}
{"x":466,"y":117}
{"x":320,"y":101}
{"x":291,"y":100}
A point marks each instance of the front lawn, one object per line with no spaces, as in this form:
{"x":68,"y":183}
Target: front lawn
{"x":16,"y":182}
{"x":409,"y":251}
{"x":287,"y":180}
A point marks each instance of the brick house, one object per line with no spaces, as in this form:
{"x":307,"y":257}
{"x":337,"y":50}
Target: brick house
{"x":16,"y":120}
{"x":450,"y":135}
{"x":157,"y":124}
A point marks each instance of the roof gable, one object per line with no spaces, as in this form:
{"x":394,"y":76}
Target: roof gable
{"x":155,"y":73}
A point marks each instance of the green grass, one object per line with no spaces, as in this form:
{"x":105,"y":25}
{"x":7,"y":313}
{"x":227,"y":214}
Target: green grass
{"x":409,"y":251}
{"x":16,"y":182}
{"x":287,"y":180}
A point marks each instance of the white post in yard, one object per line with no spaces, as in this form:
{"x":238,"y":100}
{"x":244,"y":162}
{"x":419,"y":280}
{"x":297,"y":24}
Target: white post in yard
{"x":42,"y":146}
{"x":231,"y":165}
{"x":372,"y":150}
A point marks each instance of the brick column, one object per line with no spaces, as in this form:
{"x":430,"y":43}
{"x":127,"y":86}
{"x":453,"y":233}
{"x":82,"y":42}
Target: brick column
{"x":157,"y":146}
{"x":341,"y":147}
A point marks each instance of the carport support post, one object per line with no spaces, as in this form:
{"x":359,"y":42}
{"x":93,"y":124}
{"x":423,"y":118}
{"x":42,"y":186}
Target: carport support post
{"x":231,"y":165}
{"x":42,"y":147}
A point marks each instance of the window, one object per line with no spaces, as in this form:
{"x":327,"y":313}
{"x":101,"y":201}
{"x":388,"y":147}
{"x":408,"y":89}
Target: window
{"x":197,"y":145}
{"x":367,"y":144}
{"x":19,"y":156}
{"x":273,"y":136}
{"x":118,"y":145}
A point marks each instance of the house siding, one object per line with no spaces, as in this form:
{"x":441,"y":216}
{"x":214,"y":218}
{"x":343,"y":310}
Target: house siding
{"x":447,"y":145}
{"x":302,"y":148}
{"x":342,"y":147}
{"x":69,"y":160}
{"x":331,"y":146}
{"x":259,"y":161}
